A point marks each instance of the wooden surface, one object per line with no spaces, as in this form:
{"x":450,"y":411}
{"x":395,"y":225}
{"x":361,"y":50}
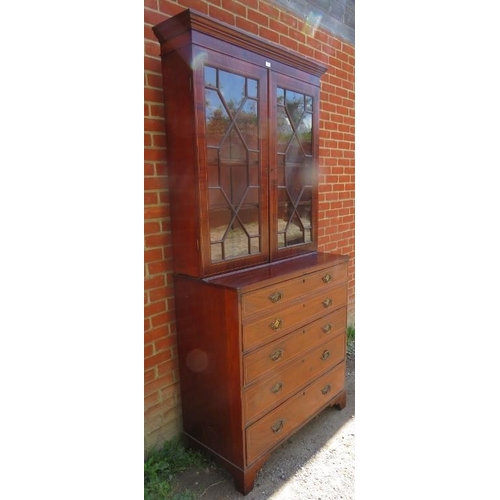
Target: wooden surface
{"x":239,"y":377}
{"x":189,"y":42}
{"x":261,"y":338}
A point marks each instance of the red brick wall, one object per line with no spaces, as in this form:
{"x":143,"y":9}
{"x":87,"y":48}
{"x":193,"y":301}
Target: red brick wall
{"x":162,"y":415}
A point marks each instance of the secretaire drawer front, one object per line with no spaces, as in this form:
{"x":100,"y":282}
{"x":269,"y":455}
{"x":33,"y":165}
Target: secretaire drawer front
{"x":279,"y":423}
{"x":276,"y":354}
{"x":289,"y":290}
{"x":282,"y":321}
{"x":276,"y":387}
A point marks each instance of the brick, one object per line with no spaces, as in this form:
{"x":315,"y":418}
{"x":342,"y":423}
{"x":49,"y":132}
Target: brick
{"x":148,"y":350}
{"x":155,"y":80}
{"x":155,"y":183}
{"x":165,"y":343}
{"x":155,"y":154}
{"x":156,"y":212}
{"x":156,"y":240}
{"x":199,"y":5}
{"x":234,"y":7}
{"x":272,"y":36}
{"x":221,"y":14}
{"x":150,"y":198}
{"x":155,"y":360}
{"x":160,"y":293}
{"x":149,"y":169}
{"x":162,"y":319}
{"x":153,"y":17}
{"x":149,"y":375}
{"x":248,"y":26}
{"x":155,"y":334}
{"x":154,"y":125}
{"x":153,"y":255}
{"x":279,"y":27}
{"x":151,"y":400}
{"x":155,"y":308}
{"x":156,"y":385}
{"x":151,"y":228}
{"x":258,"y":18}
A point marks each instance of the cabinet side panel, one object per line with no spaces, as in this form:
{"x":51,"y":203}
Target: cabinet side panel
{"x":182,"y":158}
{"x":210,"y":366}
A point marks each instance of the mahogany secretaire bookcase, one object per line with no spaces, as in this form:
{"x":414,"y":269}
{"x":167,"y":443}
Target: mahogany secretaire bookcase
{"x":261,"y":314}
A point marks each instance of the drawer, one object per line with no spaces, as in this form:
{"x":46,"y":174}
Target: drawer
{"x":278,"y":353}
{"x":281,"y":422}
{"x":287,"y":291}
{"x":279,"y":385}
{"x":277,"y":323}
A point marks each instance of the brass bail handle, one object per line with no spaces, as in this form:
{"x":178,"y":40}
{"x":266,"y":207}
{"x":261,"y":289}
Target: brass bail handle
{"x":274,"y":297}
{"x":327,"y":302}
{"x":277,"y":354}
{"x":277,"y":323}
{"x":326,"y":389}
{"x":326,"y":278}
{"x":278,"y":425}
{"x":277,"y":387}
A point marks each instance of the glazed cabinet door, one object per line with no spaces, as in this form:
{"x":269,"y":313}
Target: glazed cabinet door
{"x":294,"y":152}
{"x":232,"y":128}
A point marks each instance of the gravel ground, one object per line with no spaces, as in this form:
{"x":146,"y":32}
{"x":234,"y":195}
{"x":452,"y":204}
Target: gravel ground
{"x":317,"y":463}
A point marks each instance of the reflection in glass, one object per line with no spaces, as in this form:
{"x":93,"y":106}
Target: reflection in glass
{"x":233,"y":164}
{"x":294,"y":173}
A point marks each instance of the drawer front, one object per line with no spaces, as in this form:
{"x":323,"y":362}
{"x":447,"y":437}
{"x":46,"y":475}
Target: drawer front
{"x":281,"y":422}
{"x":288,"y":291}
{"x":273,"y":356}
{"x":278,"y":323}
{"x":277,"y":387}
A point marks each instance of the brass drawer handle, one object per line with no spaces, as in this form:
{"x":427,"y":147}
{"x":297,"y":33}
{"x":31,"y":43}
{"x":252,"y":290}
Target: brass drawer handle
{"x":327,"y":327}
{"x":325,"y":355}
{"x":278,"y":426}
{"x":326,"y":278}
{"x":277,"y":354}
{"x":274,"y":297}
{"x":277,"y":323}
{"x":277,"y":387}
{"x":327,"y":302}
{"x":326,"y":389}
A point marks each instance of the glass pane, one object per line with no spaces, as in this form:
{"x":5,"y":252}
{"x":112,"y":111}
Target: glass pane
{"x":284,"y":131}
{"x":295,"y":106}
{"x":219,"y":222}
{"x":233,"y":163}
{"x":294,"y":153}
{"x":305,"y":133}
{"x":295,"y":167}
{"x":233,"y":148}
{"x":236,"y":242}
{"x":213,"y":167}
{"x":216,"y":252}
{"x":252,"y":88}
{"x":255,"y":245}
{"x":217,"y":199}
{"x":232,"y":88}
{"x":248,"y":125}
{"x":253,"y":176}
{"x":309,"y":103}
{"x":217,"y":119}
{"x":294,"y":182}
{"x":210,"y":76}
{"x":294,"y":233}
{"x":281,"y":240}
